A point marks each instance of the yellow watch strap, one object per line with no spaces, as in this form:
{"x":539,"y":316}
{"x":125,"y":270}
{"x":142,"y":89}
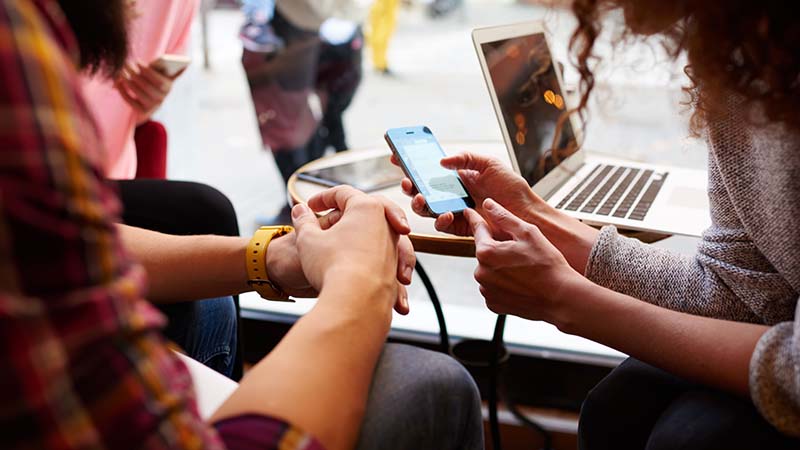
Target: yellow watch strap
{"x":256,"y":262}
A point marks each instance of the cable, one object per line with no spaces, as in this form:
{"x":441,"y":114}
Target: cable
{"x":444,"y":337}
{"x":497,"y":351}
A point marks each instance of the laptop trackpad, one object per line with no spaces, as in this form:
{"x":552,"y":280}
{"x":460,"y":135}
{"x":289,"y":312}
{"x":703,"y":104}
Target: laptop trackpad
{"x":687,"y":197}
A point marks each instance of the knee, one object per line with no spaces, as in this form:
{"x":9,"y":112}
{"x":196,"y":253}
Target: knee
{"x":600,"y":401}
{"x":430,"y":382}
{"x":592,"y":426}
{"x":214,"y":207}
{"x":421,"y":399}
{"x":442,"y":380}
{"x":601,"y":417}
{"x":454,"y":385}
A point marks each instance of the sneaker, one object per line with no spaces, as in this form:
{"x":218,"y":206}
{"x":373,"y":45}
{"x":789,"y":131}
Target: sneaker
{"x":260,"y":38}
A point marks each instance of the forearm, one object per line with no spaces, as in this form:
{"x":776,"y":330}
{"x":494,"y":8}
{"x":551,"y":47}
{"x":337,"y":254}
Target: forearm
{"x":182,"y":268}
{"x":713,"y":352}
{"x":319,"y":376}
{"x":712,"y":283}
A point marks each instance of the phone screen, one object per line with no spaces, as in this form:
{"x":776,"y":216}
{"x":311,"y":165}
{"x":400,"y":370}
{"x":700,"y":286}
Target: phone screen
{"x":421,"y":156}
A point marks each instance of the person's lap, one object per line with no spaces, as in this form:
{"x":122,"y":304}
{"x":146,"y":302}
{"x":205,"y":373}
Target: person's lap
{"x":419,"y":399}
{"x":206,"y":330}
{"x":640,"y":407}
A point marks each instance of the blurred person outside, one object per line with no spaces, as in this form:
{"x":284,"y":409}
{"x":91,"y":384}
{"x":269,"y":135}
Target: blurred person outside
{"x":81,"y":351}
{"x":322,"y":58}
{"x":438,"y":9}
{"x":382,"y":24}
{"x":205,"y":329}
{"x":257,"y":34}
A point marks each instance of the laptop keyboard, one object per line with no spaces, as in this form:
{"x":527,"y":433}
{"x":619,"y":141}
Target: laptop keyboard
{"x":622,"y":192}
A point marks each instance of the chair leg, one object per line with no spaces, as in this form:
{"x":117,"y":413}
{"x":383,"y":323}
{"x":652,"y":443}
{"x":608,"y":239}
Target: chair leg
{"x":444,"y":338}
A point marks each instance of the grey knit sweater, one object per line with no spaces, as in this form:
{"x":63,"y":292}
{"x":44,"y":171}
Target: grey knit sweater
{"x":747,"y":265}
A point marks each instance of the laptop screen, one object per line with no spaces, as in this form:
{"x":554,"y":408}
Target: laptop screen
{"x":531,"y":102}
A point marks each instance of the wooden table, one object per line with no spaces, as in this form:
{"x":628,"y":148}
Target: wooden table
{"x":424,"y":236}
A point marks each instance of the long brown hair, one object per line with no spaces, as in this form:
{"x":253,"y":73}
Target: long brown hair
{"x":743,"y":48}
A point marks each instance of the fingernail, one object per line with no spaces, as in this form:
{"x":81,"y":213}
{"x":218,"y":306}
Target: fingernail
{"x":489,"y":204}
{"x":299,"y":211}
{"x":404,"y":221}
{"x":408,"y":272}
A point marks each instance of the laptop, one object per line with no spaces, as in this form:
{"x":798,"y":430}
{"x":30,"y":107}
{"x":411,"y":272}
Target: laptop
{"x":525,"y":87}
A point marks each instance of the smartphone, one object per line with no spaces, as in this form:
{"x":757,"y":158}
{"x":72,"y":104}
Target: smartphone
{"x":171,"y":65}
{"x":420,"y":156}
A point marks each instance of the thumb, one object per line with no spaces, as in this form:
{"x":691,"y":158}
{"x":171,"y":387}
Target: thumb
{"x":304,"y":219}
{"x":479,"y":227}
{"x":502,"y":221}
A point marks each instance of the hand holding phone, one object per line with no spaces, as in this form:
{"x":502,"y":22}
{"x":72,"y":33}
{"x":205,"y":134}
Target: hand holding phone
{"x":420,"y":155}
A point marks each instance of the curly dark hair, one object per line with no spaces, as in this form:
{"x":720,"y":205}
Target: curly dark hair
{"x":742,"y":48}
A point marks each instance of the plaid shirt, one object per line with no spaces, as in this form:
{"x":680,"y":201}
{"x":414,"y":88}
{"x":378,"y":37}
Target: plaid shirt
{"x":82,"y":361}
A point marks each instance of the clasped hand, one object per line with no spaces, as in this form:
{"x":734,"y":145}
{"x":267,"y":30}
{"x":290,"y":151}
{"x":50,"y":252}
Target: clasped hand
{"x":363,"y":239}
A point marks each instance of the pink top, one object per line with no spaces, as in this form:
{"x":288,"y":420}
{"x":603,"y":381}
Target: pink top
{"x":159,"y":27}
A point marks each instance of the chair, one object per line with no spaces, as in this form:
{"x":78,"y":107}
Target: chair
{"x":211,"y":389}
{"x":151,"y":150}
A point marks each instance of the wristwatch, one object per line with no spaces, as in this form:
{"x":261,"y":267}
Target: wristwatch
{"x":256,"y":260}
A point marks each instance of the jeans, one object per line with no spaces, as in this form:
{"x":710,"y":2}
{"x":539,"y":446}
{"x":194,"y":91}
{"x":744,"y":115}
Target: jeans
{"x":421,"y":400}
{"x":263,"y":8}
{"x":206,"y":330}
{"x":641,"y":407}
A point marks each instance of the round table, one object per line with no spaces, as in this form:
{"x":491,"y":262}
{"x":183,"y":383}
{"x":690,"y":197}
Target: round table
{"x":424,"y":236}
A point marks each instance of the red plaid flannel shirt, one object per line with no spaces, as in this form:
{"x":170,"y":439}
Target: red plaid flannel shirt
{"x":82,"y":361}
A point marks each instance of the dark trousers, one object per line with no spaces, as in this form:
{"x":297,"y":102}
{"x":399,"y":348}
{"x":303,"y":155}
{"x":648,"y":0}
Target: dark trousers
{"x":177,"y":207}
{"x":206,"y":329}
{"x":640,"y":407}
